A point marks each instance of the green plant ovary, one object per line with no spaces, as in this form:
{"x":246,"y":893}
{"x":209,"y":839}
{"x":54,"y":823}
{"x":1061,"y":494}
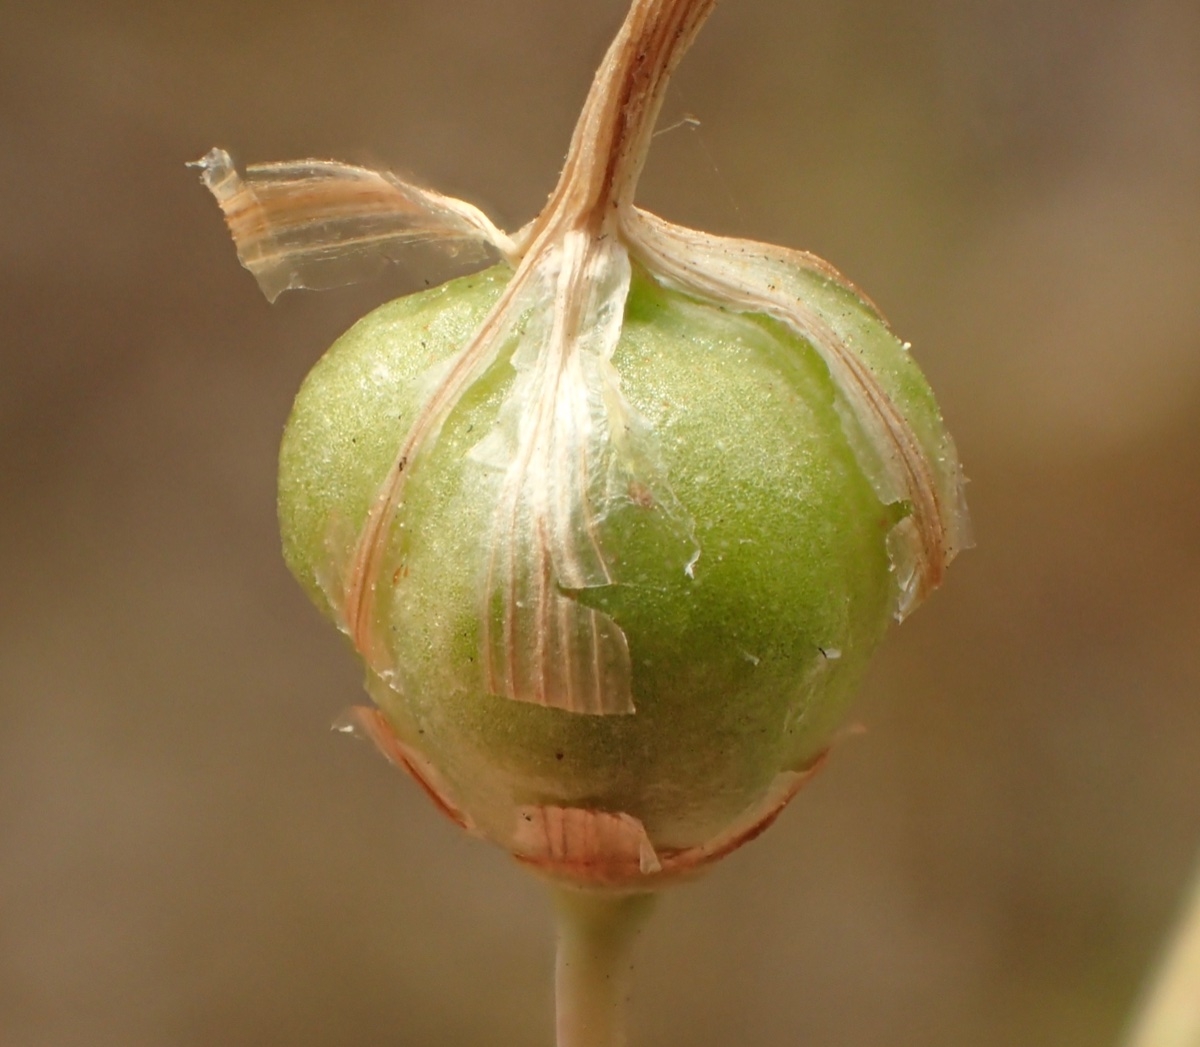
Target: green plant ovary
{"x":742,"y":660}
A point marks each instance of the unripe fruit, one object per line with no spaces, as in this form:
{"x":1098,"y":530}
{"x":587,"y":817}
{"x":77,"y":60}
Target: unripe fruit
{"x":747,"y":627}
{"x":616,"y":525}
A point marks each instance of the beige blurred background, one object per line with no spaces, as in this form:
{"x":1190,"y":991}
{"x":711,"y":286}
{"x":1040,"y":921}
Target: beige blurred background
{"x":189,"y":858}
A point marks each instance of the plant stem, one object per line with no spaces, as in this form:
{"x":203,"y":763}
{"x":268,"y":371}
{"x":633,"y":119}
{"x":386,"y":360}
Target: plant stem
{"x":1170,"y":1013}
{"x":612,"y":136}
{"x":592,"y":978}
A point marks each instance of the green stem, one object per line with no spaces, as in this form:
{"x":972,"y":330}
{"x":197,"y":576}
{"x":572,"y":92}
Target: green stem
{"x":1170,"y":1015}
{"x":593,"y":974}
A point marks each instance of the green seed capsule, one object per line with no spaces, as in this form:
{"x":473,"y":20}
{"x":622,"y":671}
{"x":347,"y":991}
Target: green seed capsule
{"x":750,"y":601}
{"x":615,"y":525}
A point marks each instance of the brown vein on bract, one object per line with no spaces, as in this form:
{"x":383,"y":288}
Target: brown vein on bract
{"x":572,"y":290}
{"x":786,"y":787}
{"x":917,"y":479}
{"x":314,"y":204}
{"x":593,"y":848}
{"x":505,"y":545}
{"x":575,"y":292}
{"x":370,"y":549}
{"x":894,"y":438}
{"x":529,"y":483}
{"x":380,"y":731}
{"x":268,"y":208}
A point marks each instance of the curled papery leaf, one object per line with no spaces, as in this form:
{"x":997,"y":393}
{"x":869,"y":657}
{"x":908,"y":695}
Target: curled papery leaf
{"x":320,"y":224}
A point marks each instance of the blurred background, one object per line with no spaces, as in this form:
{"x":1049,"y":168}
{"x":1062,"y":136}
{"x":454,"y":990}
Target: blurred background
{"x":189,"y":857}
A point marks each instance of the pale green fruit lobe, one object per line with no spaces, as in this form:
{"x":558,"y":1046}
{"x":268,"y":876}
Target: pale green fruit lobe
{"x":740,"y":667}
